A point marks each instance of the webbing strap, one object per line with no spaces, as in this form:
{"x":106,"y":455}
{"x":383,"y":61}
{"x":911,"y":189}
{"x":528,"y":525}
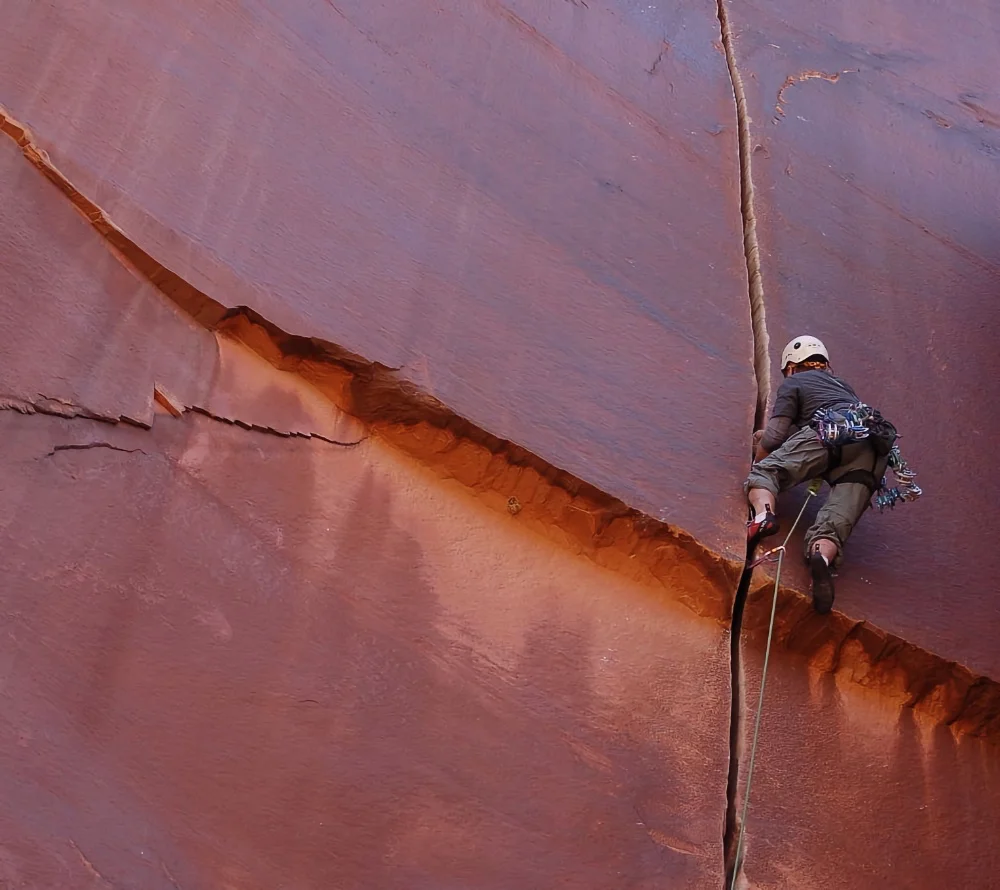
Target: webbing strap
{"x":861,"y":477}
{"x":812,"y":492}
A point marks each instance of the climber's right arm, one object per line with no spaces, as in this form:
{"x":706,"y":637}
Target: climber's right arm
{"x":779,"y":427}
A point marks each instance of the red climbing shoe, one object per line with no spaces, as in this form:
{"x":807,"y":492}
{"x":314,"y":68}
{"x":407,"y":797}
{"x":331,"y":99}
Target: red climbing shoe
{"x":822,"y":578}
{"x":764,"y":527}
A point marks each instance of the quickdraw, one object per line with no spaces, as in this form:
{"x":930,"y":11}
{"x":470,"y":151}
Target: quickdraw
{"x":770,"y":556}
{"x":905,"y":489}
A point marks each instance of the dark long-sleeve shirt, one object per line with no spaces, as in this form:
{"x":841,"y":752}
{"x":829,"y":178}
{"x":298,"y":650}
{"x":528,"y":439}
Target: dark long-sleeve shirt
{"x":799,"y":397}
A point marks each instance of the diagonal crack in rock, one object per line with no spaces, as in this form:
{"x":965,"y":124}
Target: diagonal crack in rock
{"x":562,"y":506}
{"x":87,"y":446}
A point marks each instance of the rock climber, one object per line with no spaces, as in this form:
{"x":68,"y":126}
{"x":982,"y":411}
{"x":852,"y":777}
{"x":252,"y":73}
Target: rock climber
{"x":790,"y":451}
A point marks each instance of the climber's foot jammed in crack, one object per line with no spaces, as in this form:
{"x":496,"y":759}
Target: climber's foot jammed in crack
{"x":819,"y":429}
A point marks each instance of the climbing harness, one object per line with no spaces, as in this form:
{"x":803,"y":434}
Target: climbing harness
{"x":838,"y":427}
{"x":779,"y":554}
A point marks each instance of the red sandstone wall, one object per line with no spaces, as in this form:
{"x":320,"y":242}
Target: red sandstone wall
{"x":242,"y":657}
{"x":531,"y":216}
{"x":237,"y":660}
{"x":876,"y":206}
{"x":854,"y":789}
{"x":875,"y":164}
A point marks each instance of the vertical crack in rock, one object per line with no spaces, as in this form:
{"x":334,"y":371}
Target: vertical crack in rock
{"x":762,"y":374}
{"x":751,"y":248}
{"x":732,"y":823}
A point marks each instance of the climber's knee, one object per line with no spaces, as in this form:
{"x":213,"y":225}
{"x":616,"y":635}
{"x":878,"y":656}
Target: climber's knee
{"x":761,"y":481}
{"x":838,"y":517}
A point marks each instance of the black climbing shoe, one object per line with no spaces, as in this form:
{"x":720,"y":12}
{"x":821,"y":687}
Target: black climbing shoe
{"x":763,"y":528}
{"x":822,"y":583}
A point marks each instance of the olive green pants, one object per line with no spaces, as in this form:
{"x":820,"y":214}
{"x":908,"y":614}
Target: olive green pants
{"x":802,"y":458}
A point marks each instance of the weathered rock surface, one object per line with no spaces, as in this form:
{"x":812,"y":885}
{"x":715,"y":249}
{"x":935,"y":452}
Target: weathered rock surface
{"x":877,"y":135}
{"x":80,"y":333}
{"x":874,"y":165}
{"x":262,"y":642}
{"x":534,"y":212}
{"x":85,"y":336}
{"x":851,"y":792}
{"x":256,"y":661}
{"x":237,"y":657}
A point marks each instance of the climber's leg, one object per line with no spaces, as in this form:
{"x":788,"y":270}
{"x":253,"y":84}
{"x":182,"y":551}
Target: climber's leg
{"x":852,"y":484}
{"x":800,"y":458}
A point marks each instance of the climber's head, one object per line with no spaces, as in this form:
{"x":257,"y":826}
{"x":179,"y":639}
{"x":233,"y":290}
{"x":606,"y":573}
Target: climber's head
{"x":804,"y":353}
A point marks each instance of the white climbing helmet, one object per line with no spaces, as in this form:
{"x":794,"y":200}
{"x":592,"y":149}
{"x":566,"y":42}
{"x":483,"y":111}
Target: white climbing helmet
{"x":801,"y":348}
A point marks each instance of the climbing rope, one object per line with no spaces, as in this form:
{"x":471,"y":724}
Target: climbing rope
{"x":813,"y":490}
